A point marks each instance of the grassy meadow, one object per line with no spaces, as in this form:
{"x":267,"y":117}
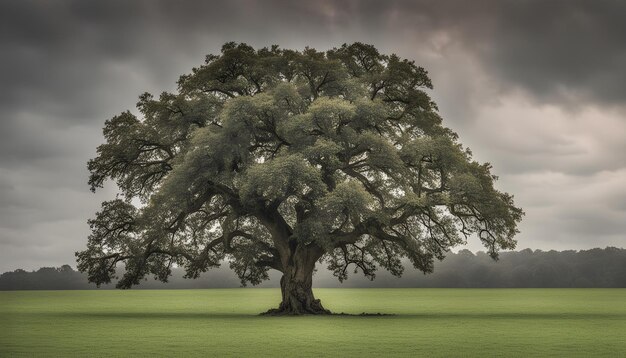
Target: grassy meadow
{"x":225,"y":322}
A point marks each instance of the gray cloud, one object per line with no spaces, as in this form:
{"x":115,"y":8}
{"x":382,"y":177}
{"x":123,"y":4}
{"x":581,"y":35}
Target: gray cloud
{"x":535,"y":88}
{"x":563,"y":50}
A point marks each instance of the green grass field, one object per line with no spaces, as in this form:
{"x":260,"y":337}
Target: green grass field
{"x":225,"y":322}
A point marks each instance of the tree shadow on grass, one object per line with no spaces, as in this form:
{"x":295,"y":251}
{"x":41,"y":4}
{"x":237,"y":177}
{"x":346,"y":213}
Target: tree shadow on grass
{"x":418,"y":315}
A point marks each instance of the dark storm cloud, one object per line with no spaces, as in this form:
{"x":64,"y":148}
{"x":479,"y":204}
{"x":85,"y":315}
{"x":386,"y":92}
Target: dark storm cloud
{"x":67,"y":66}
{"x":562,"y":50}
{"x":555,"y":50}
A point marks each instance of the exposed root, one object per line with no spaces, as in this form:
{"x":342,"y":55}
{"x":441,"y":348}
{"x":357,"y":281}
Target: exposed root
{"x":278,"y":312}
{"x":295,"y":308}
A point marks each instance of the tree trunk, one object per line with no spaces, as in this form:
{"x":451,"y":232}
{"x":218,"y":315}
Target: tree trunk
{"x":296,"y":286}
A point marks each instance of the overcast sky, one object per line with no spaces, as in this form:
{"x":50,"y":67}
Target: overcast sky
{"x":537,"y":88}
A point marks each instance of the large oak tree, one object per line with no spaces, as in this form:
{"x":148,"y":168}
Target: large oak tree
{"x":280,"y":159}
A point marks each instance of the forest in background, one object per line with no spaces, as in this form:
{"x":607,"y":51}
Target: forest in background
{"x":515,"y":269}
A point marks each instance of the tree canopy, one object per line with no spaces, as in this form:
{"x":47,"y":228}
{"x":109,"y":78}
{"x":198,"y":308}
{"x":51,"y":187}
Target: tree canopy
{"x":279,"y":159}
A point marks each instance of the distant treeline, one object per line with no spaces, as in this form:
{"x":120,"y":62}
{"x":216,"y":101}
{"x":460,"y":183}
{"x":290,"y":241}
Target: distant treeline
{"x":526,"y":268}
